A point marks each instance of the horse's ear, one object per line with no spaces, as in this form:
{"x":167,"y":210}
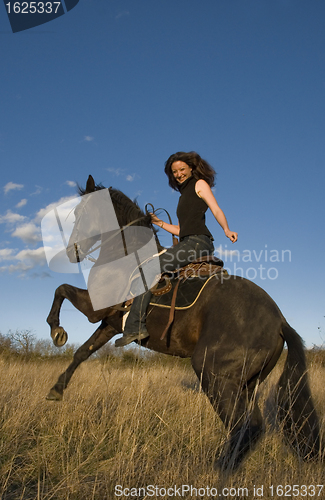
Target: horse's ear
{"x":90,"y":186}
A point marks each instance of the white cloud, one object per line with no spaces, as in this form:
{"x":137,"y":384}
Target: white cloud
{"x":6,"y":254}
{"x":22,"y":203}
{"x":27,"y":260}
{"x":43,"y":211}
{"x":41,"y":275}
{"x":39,"y":189}
{"x":11,"y":218}
{"x":121,"y":171}
{"x":115,"y":171}
{"x":13,"y":268}
{"x":32,"y":257}
{"x":71,"y":183}
{"x":29,"y":233}
{"x":10,"y":186}
{"x":25,"y":263}
{"x":88,"y":138}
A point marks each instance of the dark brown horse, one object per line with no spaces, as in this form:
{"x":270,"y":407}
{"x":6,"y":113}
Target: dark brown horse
{"x":234,"y":335}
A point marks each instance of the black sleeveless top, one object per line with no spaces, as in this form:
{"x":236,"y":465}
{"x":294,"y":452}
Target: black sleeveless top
{"x":191,"y":210}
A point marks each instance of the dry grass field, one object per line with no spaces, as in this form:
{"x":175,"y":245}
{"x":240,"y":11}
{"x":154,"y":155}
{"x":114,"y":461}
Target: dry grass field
{"x":135,"y":429}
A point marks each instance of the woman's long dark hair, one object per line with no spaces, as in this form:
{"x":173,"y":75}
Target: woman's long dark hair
{"x":201,"y":169}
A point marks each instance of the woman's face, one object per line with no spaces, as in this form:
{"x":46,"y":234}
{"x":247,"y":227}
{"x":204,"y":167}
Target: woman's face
{"x":181,"y":171}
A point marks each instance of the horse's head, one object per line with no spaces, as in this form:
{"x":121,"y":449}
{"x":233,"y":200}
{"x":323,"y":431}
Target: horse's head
{"x":101,"y":215}
{"x":87,"y":228}
{"x":127,"y":241}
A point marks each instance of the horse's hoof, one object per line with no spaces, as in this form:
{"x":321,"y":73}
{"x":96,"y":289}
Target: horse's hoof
{"x":59,"y":336}
{"x":54,"y":395}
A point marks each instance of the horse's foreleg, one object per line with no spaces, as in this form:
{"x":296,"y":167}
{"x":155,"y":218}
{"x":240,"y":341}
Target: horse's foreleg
{"x":102,"y":335}
{"x":81,"y":301}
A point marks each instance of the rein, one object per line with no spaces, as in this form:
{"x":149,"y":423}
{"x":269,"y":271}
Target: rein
{"x":175,"y":240}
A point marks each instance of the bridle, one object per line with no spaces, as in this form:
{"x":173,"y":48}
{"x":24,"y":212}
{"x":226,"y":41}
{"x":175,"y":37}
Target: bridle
{"x":86,"y":255}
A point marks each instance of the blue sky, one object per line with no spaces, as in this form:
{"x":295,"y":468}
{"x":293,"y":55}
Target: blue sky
{"x":113,"y":88}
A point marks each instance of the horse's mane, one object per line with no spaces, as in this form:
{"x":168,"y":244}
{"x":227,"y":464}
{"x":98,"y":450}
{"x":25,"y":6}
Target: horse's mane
{"x":126,"y":209}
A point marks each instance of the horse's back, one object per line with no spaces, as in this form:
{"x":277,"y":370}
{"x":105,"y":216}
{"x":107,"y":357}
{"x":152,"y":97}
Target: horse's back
{"x":231,"y":311}
{"x":238,"y":311}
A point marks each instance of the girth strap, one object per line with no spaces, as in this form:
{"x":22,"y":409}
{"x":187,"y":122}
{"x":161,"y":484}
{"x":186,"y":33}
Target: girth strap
{"x":172,"y":311}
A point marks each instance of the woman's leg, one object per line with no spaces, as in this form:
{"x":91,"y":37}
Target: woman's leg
{"x":185,"y":252}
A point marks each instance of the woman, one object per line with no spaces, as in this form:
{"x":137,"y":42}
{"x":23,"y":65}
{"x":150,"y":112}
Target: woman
{"x":193,"y":177}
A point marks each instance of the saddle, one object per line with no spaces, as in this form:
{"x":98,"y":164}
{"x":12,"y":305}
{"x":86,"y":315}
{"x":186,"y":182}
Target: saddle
{"x":183,"y":286}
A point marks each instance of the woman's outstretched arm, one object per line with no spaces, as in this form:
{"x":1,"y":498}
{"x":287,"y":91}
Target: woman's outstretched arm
{"x":203,"y":190}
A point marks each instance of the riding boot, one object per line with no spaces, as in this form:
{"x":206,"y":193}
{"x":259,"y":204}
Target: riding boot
{"x":135,"y":326}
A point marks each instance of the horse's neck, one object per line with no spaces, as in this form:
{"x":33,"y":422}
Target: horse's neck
{"x":128,"y":216}
{"x":124,"y":242}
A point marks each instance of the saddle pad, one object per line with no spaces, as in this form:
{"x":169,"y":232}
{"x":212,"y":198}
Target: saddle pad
{"x":187,"y":292}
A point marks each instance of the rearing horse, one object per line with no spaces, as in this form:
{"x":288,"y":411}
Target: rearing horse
{"x":234,"y":335}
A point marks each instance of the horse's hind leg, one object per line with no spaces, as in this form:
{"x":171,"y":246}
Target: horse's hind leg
{"x":102,"y":335}
{"x":233,"y":401}
{"x":245,"y":430}
{"x":79,"y":298}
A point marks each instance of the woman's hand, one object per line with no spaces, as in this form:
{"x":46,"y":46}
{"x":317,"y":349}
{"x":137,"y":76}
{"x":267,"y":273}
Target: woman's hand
{"x":155,"y":220}
{"x":231,"y":235}
{"x":170,"y":228}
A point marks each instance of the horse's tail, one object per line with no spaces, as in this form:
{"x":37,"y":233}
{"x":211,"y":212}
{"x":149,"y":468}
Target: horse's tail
{"x":296,"y":408}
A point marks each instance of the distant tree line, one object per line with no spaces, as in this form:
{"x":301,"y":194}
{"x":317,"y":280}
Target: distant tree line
{"x":23,"y":344}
